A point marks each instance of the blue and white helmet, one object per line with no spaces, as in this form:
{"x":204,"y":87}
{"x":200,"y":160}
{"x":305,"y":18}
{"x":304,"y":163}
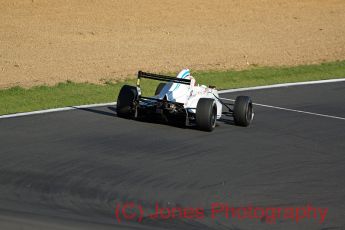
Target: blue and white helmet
{"x":176,"y":91}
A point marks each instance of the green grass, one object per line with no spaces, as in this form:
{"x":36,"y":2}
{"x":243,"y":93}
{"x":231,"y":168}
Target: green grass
{"x":18,"y":99}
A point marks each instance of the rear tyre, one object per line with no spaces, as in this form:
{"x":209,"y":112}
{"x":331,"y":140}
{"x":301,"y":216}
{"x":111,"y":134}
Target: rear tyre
{"x":206,"y":114}
{"x":125,"y":101}
{"x":243,"y":111}
{"x":159,"y":88}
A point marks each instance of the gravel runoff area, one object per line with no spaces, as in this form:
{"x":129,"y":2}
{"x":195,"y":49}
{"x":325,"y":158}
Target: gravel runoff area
{"x":46,"y":42}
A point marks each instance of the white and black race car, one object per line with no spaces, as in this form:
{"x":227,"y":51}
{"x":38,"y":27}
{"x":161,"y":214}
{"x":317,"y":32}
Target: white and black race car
{"x":180,"y":100}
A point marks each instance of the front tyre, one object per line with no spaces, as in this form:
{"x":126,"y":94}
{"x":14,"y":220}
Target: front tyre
{"x":125,"y":106}
{"x":243,"y":111}
{"x":206,"y":114}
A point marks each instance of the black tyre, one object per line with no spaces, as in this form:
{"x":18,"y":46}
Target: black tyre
{"x":125,"y":101}
{"x":206,"y":114}
{"x":159,"y":88}
{"x":243,"y":111}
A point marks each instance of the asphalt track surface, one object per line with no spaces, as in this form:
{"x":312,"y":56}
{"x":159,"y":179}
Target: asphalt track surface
{"x":68,"y":170}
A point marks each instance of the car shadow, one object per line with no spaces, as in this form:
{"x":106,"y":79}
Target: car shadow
{"x":227,"y":121}
{"x":99,"y":111}
{"x":112,"y":108}
{"x":112,"y":113}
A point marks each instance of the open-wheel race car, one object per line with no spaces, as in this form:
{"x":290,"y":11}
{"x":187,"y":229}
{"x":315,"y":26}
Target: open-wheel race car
{"x":180,"y":100}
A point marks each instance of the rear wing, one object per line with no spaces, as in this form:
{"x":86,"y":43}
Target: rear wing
{"x":161,"y":78}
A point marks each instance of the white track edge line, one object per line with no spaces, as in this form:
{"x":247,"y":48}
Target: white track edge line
{"x":56,"y":110}
{"x":282,"y":85}
{"x":220,"y":92}
{"x":292,"y":110}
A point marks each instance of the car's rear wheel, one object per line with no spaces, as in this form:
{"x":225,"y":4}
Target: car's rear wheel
{"x":125,"y":106}
{"x":159,"y":88}
{"x":206,"y":114}
{"x":243,"y":111}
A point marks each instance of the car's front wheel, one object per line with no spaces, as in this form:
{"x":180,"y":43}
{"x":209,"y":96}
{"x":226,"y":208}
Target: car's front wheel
{"x":206,"y":114}
{"x":243,"y":111}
